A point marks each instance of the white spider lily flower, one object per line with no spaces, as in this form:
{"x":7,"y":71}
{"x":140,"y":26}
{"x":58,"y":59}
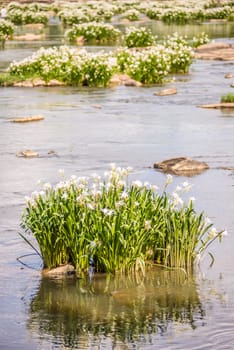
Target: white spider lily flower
{"x":224,"y":233}
{"x":61,"y":172}
{"x":107,"y":212}
{"x":186,"y":186}
{"x":47,"y":186}
{"x":124,"y":195}
{"x":192,"y":199}
{"x":213,"y":233}
{"x":176,"y":199}
{"x":147,"y":224}
{"x":137,"y":184}
{"x":169,"y":179}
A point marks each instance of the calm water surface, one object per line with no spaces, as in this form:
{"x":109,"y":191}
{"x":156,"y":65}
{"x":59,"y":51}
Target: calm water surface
{"x":87,"y":129}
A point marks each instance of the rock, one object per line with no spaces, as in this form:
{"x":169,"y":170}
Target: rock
{"x":38,"y":82}
{"x":132,"y":82}
{"x":27,"y":119}
{"x":228,"y":76}
{"x":171,"y":91}
{"x":26,"y":83}
{"x":232,"y":85}
{"x":55,"y":82}
{"x":80,"y":40}
{"x":29,"y":37}
{"x":218,"y":105}
{"x":28,"y":154}
{"x":182,"y":166}
{"x":59,"y":271}
{"x":124,"y":79}
{"x":215,"y":51}
{"x":31,"y":26}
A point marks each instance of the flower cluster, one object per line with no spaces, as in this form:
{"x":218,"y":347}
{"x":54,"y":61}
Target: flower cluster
{"x":93,"y":31}
{"x":74,"y":67}
{"x":132,"y":15}
{"x":6,"y":30}
{"x":20,"y":15}
{"x":138,"y":37}
{"x":115,"y":223}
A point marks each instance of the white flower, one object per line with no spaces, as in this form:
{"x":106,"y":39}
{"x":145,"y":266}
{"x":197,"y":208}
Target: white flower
{"x":213,"y":232}
{"x":224,"y":233}
{"x":107,"y":212}
{"x":176,"y":199}
{"x":169,"y":179}
{"x":61,"y":172}
{"x":47,"y":186}
{"x":192,"y":199}
{"x":147,"y":224}
{"x":124,"y":195}
{"x":137,"y":184}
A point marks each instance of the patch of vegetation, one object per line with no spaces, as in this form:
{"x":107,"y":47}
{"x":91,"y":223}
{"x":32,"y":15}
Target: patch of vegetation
{"x":228,"y":98}
{"x":116,"y":226}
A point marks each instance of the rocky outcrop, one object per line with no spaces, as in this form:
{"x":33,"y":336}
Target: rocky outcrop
{"x":36,"y":82}
{"x":166,"y":92}
{"x":218,"y":105}
{"x":33,"y":118}
{"x":124,"y":79}
{"x":28,"y":153}
{"x":60,"y":271}
{"x":29,"y":37}
{"x":182,"y":166}
{"x":215,"y":51}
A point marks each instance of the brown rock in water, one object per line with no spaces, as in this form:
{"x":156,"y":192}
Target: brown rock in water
{"x":124,"y":79}
{"x":218,"y":105}
{"x":29,"y":37}
{"x":59,"y":271}
{"x":28,"y":154}
{"x":182,"y":166}
{"x":215,"y":51}
{"x":228,"y":76}
{"x":166,"y":92}
{"x":33,"y":118}
{"x":55,"y":82}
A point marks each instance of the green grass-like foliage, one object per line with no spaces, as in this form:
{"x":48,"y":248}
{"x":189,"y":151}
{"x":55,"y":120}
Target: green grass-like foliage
{"x":115,"y":225}
{"x":228,"y":98}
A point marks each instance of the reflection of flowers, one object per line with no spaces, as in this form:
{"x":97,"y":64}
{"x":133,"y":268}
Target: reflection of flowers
{"x":124,"y":309}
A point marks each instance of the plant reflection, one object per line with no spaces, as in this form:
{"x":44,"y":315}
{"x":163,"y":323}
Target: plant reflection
{"x":119,"y":309}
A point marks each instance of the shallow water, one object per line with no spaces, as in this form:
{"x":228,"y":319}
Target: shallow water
{"x":87,"y":129}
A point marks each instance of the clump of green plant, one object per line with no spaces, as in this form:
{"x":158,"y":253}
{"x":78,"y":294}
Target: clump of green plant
{"x":6,"y":30}
{"x":115,"y":225}
{"x":138,"y":37}
{"x":200,"y":39}
{"x":180,"y":53}
{"x":21,"y":15}
{"x":149,"y":66}
{"x":101,"y":32}
{"x":132,"y":15}
{"x":74,"y":67}
{"x":228,"y":98}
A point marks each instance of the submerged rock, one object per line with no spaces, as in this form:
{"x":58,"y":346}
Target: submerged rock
{"x":182,"y":166}
{"x":59,"y":271}
{"x":229,"y":76}
{"x":166,"y":92}
{"x":32,"y":118}
{"x":27,"y":154}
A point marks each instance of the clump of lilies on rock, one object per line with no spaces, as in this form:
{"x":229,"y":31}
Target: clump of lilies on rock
{"x":116,"y":225}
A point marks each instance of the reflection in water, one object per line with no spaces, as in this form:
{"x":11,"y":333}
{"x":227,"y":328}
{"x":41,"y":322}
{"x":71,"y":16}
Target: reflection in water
{"x":123,"y":310}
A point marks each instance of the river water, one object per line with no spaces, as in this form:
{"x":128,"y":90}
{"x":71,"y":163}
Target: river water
{"x":87,"y":129}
